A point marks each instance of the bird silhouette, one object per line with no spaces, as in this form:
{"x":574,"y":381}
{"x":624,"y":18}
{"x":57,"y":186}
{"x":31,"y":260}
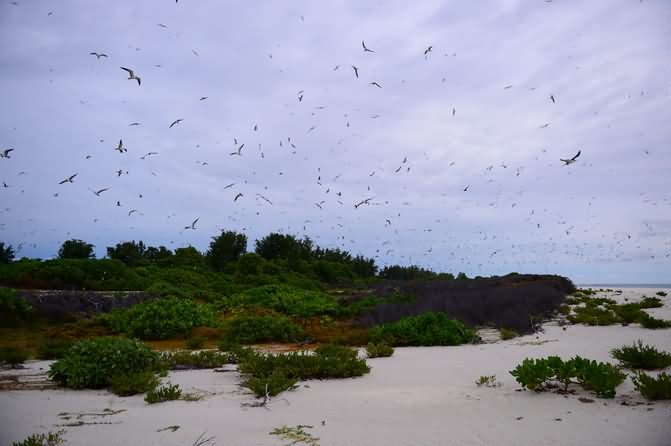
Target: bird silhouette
{"x":176,"y":121}
{"x":68,"y":179}
{"x":5,"y":153}
{"x":356,"y":71}
{"x":365,"y":48}
{"x":570,"y":160}
{"x":98,"y":55}
{"x":131,"y":75}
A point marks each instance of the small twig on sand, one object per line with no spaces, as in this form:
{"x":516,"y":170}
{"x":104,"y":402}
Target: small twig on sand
{"x":209,"y":441}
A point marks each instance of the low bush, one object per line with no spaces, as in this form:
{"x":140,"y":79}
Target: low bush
{"x":195,"y":342}
{"x":426,"y":329}
{"x":488,"y":381}
{"x":652,"y":388}
{"x":133,"y":383}
{"x":93,"y":363}
{"x":50,"y":439}
{"x":163,"y":393}
{"x":160,"y":318}
{"x":13,"y":309}
{"x":661,"y":293}
{"x":205,"y":359}
{"x":508,"y":334}
{"x":12,"y":356}
{"x":639,"y":356}
{"x":282,"y":371}
{"x":52,"y":348}
{"x":254,"y":329}
{"x":651,"y":302}
{"x":648,"y":321}
{"x":284,"y":299}
{"x":380,"y":350}
{"x":536,"y":374}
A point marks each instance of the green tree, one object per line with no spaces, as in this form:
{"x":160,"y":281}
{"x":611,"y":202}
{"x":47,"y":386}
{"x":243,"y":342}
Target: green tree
{"x":76,"y":249}
{"x":129,"y":253}
{"x":6,"y":253}
{"x":188,"y":256}
{"x":363,"y":267}
{"x":284,"y":246}
{"x":226,"y":247}
{"x":154,"y":254}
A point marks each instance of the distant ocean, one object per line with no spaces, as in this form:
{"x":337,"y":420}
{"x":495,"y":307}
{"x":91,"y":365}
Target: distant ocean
{"x":624,"y":285}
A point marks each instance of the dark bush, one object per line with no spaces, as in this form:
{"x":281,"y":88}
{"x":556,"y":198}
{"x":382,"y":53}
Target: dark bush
{"x":651,"y":302}
{"x":92,"y":363}
{"x":648,"y":321}
{"x":13,"y":309}
{"x":254,"y":329}
{"x":426,"y":329}
{"x":379,"y":350}
{"x":12,"y":356}
{"x":639,"y":356}
{"x":163,"y":393}
{"x":160,"y":319}
{"x":661,"y":293}
{"x":284,"y":246}
{"x":201,"y":360}
{"x":130,"y":253}
{"x":413,"y":272}
{"x":133,"y":383}
{"x":52,"y":348}
{"x":652,"y":388}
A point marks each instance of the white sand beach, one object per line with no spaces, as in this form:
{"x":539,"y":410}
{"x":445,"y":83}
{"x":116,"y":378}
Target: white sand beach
{"x":419,"y":396}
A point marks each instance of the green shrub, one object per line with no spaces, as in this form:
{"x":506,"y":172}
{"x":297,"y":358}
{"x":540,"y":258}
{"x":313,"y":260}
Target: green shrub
{"x":195,"y":342}
{"x":50,"y":439}
{"x":164,"y":393}
{"x":281,"y":371}
{"x":52,"y":348}
{"x":254,"y":329}
{"x":205,"y":359}
{"x":487,"y":381}
{"x":508,"y":334}
{"x":12,"y":356}
{"x":652,"y":388}
{"x":13,"y":309}
{"x":379,"y":350}
{"x":426,"y":329}
{"x":639,"y":356}
{"x":536,"y":374}
{"x":592,"y":315}
{"x":661,"y":293}
{"x":160,"y":318}
{"x":648,"y":321}
{"x":92,"y":363}
{"x":274,"y":383}
{"x":283,"y":299}
{"x":651,"y":302}
{"x":133,"y":383}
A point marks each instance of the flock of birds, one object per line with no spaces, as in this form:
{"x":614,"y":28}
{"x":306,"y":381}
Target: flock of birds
{"x":327,"y":186}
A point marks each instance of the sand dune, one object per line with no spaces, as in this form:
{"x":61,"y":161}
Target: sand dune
{"x":420,"y":396}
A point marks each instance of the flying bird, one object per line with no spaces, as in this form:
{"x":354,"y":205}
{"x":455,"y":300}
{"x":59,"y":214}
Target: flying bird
{"x":176,"y":121}
{"x":203,"y":98}
{"x":68,"y":179}
{"x":120,"y":147}
{"x":365,"y":48}
{"x":98,"y":192}
{"x":238,"y":152}
{"x":148,"y":154}
{"x":131,"y":75}
{"x":454,"y":111}
{"x":376,"y":84}
{"x":428,"y":50}
{"x":98,"y":55}
{"x":132,"y":211}
{"x":544,"y":125}
{"x":237,"y":196}
{"x":265,"y":199}
{"x":365,"y":201}
{"x":133,"y":124}
{"x":192,"y":225}
{"x":356,"y":71}
{"x":507,"y":87}
{"x":229,"y":186}
{"x":466,"y":188}
{"x":5,"y":153}
{"x":571,"y":160}
{"x":552,"y":98}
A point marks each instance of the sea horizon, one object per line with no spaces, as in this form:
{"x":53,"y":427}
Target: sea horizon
{"x":625,"y":285}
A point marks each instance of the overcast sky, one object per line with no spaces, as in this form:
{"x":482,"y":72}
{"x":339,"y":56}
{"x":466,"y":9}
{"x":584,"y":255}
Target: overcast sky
{"x":475,"y":111}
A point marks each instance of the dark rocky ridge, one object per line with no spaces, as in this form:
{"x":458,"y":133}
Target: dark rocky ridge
{"x":515,"y":301}
{"x":67,"y":303}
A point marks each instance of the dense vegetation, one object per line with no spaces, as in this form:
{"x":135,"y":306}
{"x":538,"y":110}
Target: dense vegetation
{"x":653,"y":388}
{"x":426,"y":329}
{"x":604,"y":311}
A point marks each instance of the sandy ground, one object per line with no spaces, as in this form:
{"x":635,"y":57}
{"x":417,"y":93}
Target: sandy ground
{"x":420,"y":396}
